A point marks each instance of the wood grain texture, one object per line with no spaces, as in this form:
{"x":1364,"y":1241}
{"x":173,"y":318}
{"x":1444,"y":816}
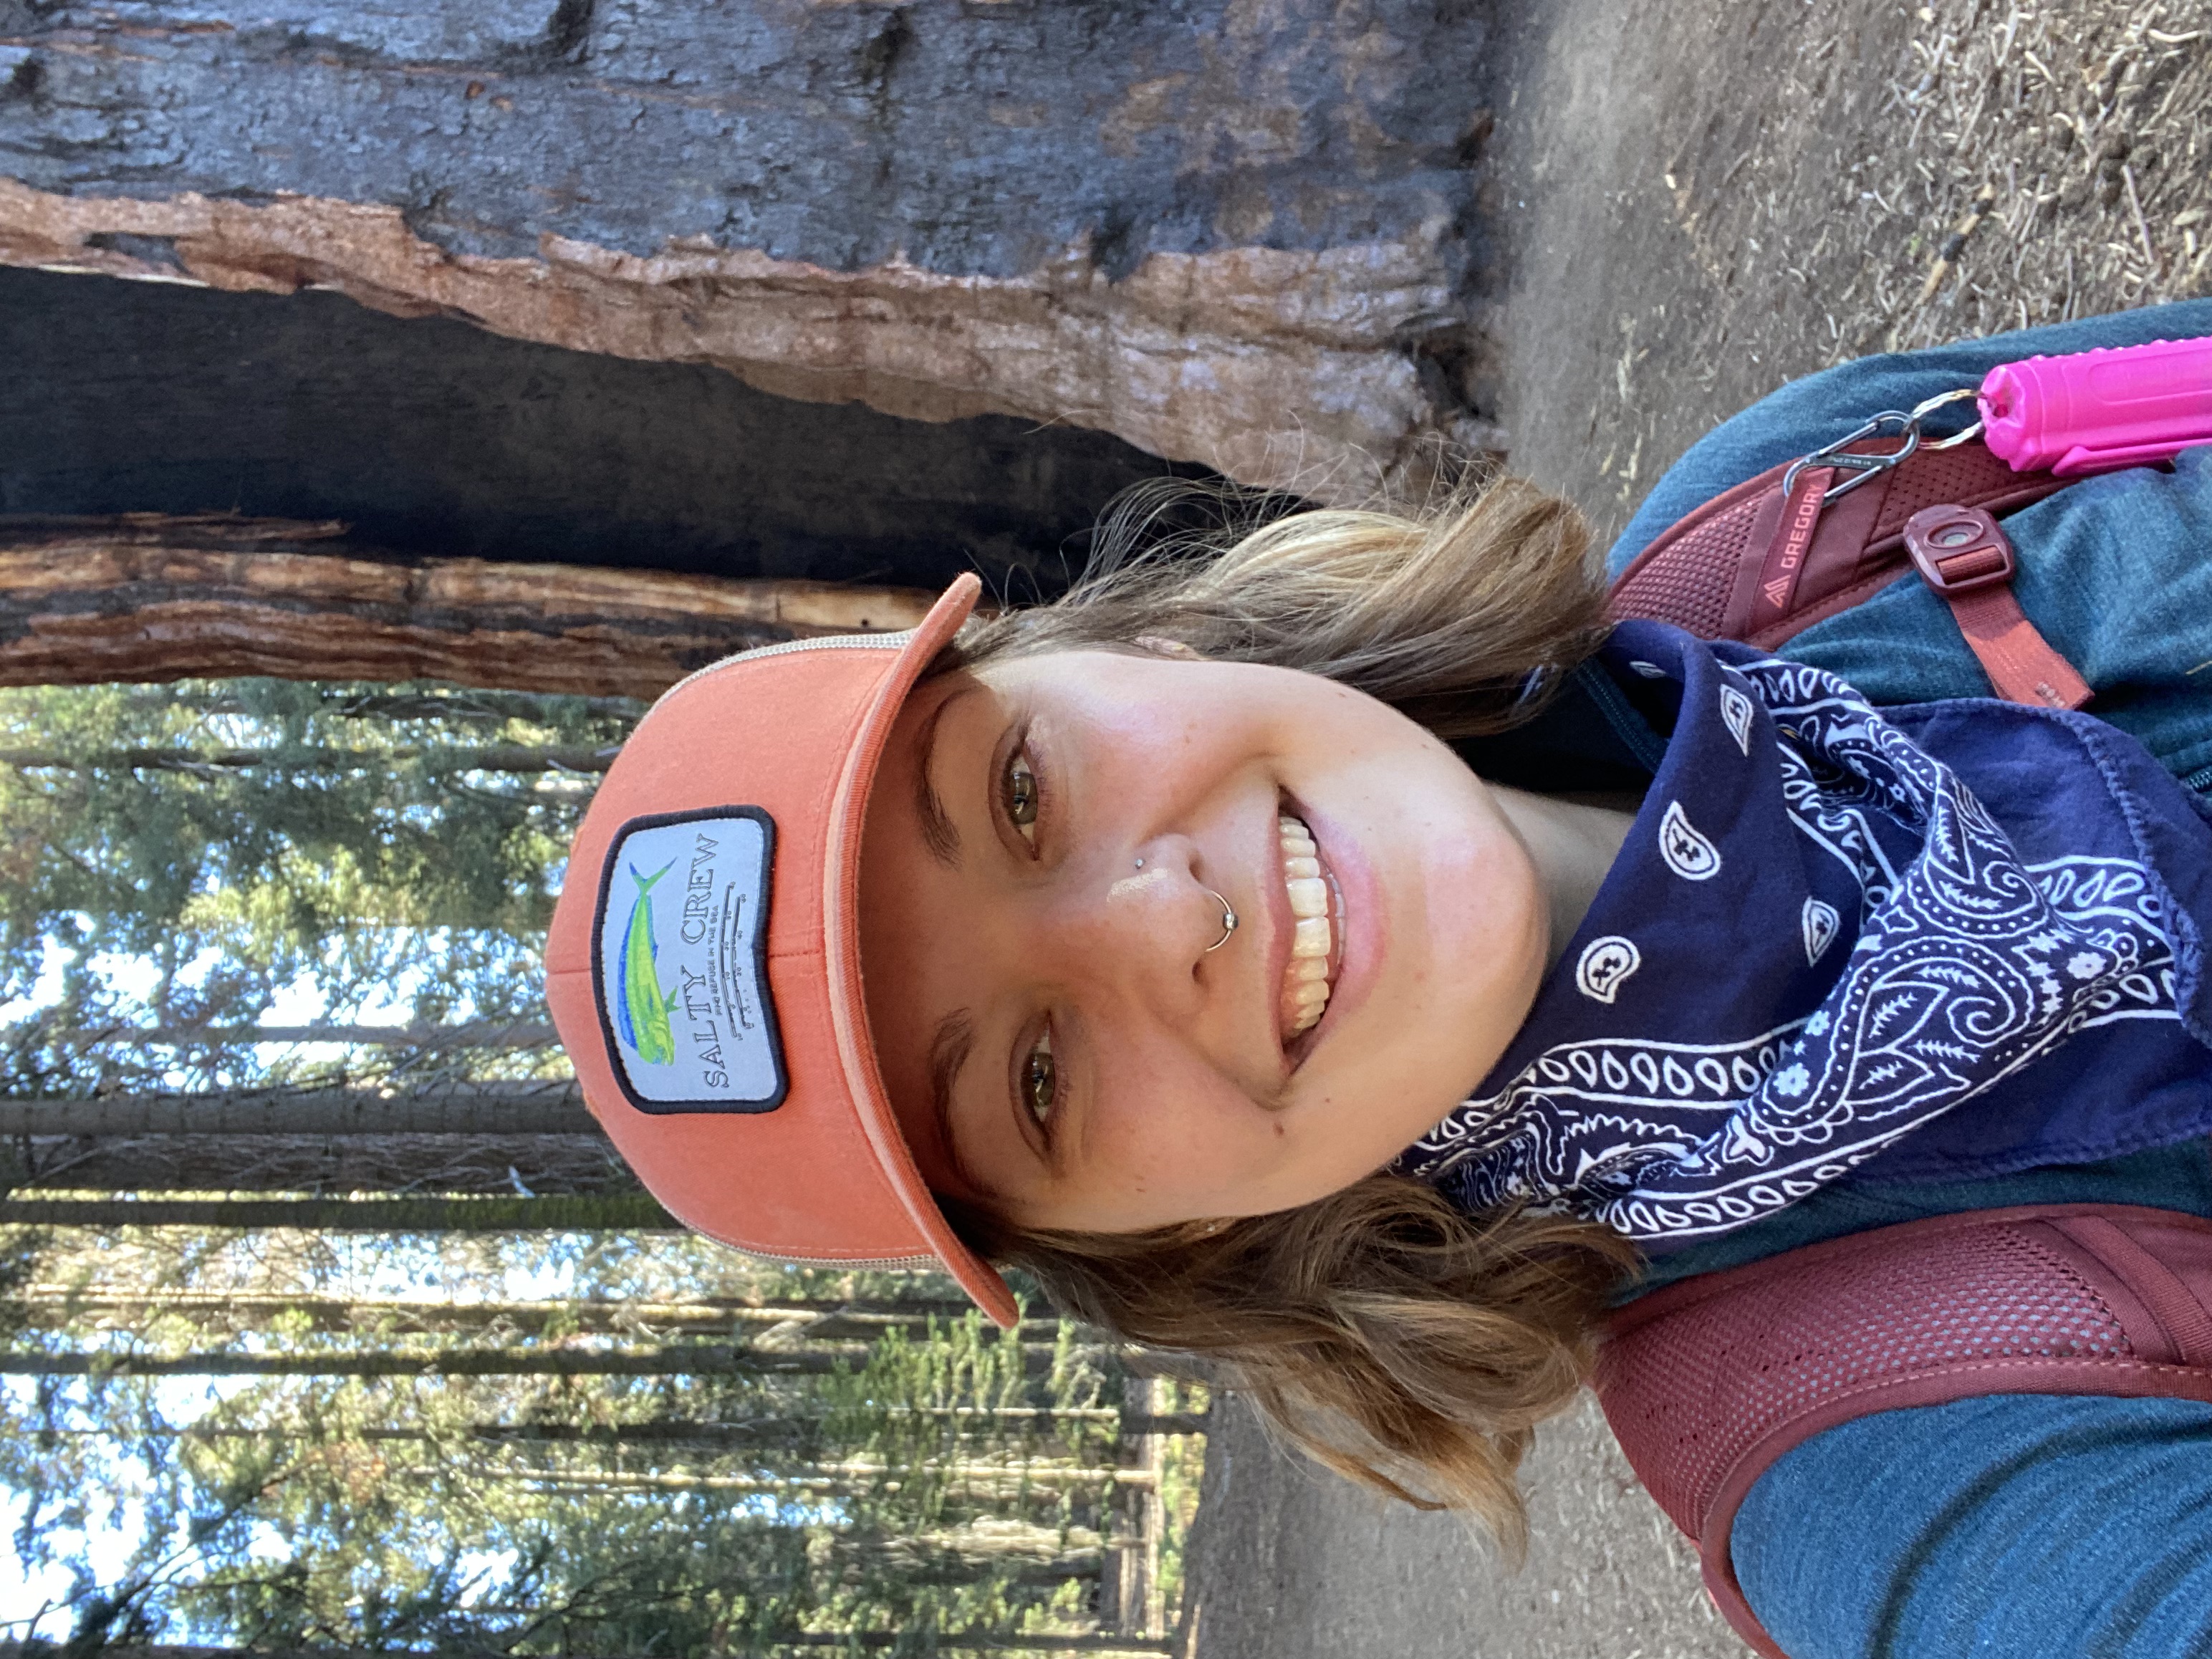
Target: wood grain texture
{"x":1241,"y":234}
{"x":479,"y":1109}
{"x":143,"y":597}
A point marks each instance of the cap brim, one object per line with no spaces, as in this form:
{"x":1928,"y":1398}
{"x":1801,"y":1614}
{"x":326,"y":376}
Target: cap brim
{"x":841,"y":932}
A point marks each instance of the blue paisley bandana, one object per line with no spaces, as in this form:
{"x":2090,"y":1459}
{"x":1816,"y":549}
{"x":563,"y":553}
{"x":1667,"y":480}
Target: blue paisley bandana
{"x":1964,"y":937}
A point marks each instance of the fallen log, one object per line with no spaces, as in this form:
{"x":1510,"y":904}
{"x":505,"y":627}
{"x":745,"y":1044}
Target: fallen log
{"x":143,"y":597}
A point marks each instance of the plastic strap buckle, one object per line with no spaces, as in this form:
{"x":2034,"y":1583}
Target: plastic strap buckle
{"x":1959,"y":550}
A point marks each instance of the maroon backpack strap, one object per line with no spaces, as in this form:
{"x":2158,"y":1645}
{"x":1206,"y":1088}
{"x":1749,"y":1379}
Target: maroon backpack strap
{"x":1708,"y":1381}
{"x":1758,"y":565}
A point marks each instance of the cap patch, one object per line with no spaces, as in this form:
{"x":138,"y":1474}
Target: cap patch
{"x":679,"y":962}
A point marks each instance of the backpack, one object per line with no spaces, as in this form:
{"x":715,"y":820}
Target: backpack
{"x":1707,"y":1383}
{"x":1792,"y":547}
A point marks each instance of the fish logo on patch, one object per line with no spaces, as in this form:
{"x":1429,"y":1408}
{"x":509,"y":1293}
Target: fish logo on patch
{"x":679,"y":962}
{"x":640,"y":1005}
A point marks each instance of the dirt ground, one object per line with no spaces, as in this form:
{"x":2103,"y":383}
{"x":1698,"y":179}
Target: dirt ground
{"x":1701,"y":202}
{"x":1697,"y":202}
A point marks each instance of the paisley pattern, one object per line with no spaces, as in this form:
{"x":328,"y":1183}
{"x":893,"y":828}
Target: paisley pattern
{"x":1773,"y":1053}
{"x":1820,"y":923}
{"x":1603,"y":964}
{"x":1736,"y":715}
{"x":1688,"y":854}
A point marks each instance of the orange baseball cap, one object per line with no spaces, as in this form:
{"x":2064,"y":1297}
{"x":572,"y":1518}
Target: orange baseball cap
{"x":704,"y":963}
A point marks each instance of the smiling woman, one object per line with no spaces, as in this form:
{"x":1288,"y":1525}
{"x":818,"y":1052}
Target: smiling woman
{"x":1279,"y":713}
{"x":1258,"y":950}
{"x":1127,"y":940}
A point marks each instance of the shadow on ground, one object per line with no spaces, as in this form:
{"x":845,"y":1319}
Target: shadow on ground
{"x":1286,"y":1561}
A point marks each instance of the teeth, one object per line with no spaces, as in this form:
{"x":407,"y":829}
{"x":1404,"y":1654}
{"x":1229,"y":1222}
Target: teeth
{"x":1305,"y":984}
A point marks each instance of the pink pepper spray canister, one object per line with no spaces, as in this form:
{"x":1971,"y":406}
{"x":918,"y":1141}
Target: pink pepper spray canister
{"x":2092,"y":412}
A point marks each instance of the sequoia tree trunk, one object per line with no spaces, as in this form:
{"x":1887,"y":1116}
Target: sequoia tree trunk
{"x":947,"y":1642}
{"x":618,"y":1211}
{"x":496,"y":1109}
{"x":544,"y":1166}
{"x":231,"y":1312}
{"x":1245,"y":236}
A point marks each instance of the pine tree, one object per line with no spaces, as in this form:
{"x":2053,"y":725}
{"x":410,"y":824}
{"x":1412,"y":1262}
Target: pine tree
{"x":856,"y":1459}
{"x":674,"y":1451}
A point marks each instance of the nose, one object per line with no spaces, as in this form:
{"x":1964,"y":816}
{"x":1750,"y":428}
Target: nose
{"x":1144,"y":931}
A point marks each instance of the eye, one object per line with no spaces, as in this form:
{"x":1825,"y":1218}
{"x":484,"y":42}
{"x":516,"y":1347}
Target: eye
{"x":1040,"y":1079}
{"x":1021,"y":793}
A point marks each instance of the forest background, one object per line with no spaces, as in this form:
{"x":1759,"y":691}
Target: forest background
{"x":456,"y":1384}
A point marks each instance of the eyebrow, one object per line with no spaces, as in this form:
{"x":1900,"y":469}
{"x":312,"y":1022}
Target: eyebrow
{"x":948,"y":1053}
{"x":938,"y":833}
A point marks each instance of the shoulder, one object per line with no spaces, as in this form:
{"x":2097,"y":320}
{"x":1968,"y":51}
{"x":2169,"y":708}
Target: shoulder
{"x":2006,"y":1525}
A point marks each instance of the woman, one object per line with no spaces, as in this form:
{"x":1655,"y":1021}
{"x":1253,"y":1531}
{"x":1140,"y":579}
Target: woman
{"x":1191,"y":908}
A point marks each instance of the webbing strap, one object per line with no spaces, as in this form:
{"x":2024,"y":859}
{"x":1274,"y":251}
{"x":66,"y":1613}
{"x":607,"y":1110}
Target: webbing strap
{"x":1961,"y":553}
{"x":1732,"y":569}
{"x":2019,"y":660}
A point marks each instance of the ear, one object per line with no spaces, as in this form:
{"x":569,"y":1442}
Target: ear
{"x":1159,"y":646}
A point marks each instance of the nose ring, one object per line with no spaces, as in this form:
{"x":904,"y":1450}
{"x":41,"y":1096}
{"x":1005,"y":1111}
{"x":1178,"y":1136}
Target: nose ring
{"x":1228,"y":921}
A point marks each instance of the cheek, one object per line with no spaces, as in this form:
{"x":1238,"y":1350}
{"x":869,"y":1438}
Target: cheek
{"x":1169,"y":1124}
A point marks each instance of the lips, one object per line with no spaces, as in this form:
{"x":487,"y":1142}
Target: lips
{"x":1316,"y":912}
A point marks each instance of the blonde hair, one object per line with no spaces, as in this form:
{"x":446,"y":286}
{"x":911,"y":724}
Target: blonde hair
{"x":1395,"y":1339}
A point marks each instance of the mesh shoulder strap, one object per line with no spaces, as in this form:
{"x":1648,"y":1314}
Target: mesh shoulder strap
{"x":1703,"y":572}
{"x":1708,"y":1381}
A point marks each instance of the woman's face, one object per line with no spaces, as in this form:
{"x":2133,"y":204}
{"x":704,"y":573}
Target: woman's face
{"x":1059,"y":1043}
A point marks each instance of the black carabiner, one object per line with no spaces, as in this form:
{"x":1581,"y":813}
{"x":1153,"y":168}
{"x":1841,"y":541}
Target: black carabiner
{"x":1863,"y":469}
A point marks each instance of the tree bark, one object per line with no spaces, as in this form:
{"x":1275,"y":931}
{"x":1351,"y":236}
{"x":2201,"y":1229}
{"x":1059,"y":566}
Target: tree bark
{"x":319,"y":763}
{"x":542,"y":1164}
{"x":489,"y":1109}
{"x":1242,"y":239}
{"x":659,"y":1431}
{"x":948,"y":1641}
{"x":56,"y":1305}
{"x":985,"y":1474}
{"x":680,"y":1359}
{"x":632,"y":1212}
{"x":146,"y":597}
{"x":431,"y":1038}
{"x":1000,"y":1548}
{"x":674,"y":1359}
{"x":431,"y":439}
